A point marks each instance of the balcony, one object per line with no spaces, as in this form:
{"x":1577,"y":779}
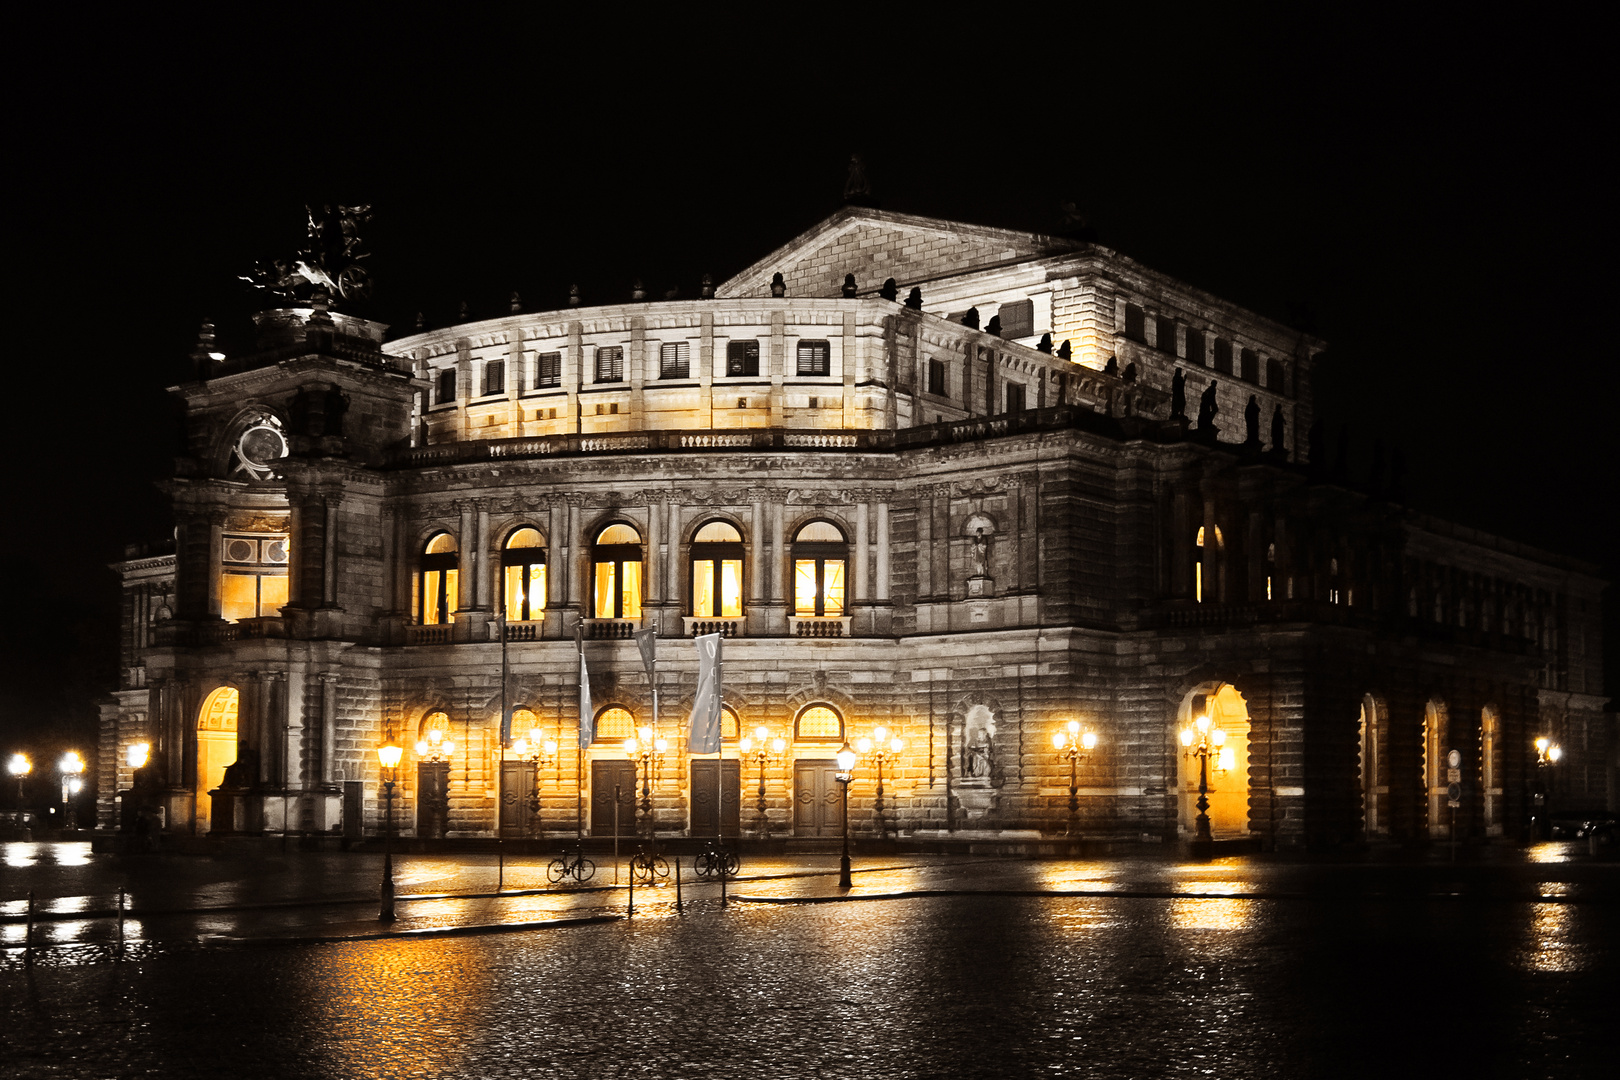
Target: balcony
{"x":696,"y":627}
{"x":519,"y":631}
{"x":428,"y":635}
{"x":610,"y":629}
{"x":819,"y":626}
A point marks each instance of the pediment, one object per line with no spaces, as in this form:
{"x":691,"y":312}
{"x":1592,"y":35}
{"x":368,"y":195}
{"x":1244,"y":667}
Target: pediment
{"x":875,"y":245}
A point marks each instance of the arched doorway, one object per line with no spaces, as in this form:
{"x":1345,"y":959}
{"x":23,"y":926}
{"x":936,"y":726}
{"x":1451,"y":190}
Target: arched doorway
{"x":1228,"y":764}
{"x":1434,"y":766}
{"x":216,"y":747}
{"x":434,"y":751}
{"x":1374,"y":784}
{"x":1490,"y":767}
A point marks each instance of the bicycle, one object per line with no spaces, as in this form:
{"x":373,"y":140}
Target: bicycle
{"x":572,"y":864}
{"x":716,"y":861}
{"x":648,"y":866}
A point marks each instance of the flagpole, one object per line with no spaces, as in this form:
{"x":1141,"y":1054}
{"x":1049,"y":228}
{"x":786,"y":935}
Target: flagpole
{"x":506,"y":738}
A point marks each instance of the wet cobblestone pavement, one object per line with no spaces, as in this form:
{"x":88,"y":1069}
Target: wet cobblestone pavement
{"x":938,"y":966}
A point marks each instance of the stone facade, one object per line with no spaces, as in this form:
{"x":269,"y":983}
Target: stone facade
{"x":1024,"y":537}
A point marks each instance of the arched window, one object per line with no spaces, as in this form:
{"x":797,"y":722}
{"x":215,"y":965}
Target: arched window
{"x":615,"y":724}
{"x":617,"y":557}
{"x":717,"y":567}
{"x":819,"y":723}
{"x":1198,"y":560}
{"x":436,"y":580}
{"x":523,"y":569}
{"x":729,"y":725}
{"x":820,"y":554}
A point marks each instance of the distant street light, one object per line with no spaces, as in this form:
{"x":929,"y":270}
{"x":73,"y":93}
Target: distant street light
{"x":388,"y":755}
{"x":1201,"y":741}
{"x":1547,"y":755}
{"x":539,"y":752}
{"x":764,"y":750}
{"x":19,"y":766}
{"x":846,"y":772}
{"x":881,"y":749}
{"x":71,"y":767}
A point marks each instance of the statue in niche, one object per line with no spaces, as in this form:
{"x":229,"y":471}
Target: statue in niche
{"x":981,"y":554}
{"x":1251,"y":421}
{"x":978,"y":744}
{"x":1178,"y":396}
{"x":1207,"y":409}
{"x":1277,"y":430}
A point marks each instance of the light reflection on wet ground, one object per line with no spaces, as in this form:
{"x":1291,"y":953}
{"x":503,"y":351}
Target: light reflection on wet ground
{"x":1242,"y":967}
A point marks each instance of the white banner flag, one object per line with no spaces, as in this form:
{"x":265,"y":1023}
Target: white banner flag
{"x":587,"y":714}
{"x":705,"y":737}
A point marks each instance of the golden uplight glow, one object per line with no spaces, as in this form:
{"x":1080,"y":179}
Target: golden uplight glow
{"x":137,"y":754}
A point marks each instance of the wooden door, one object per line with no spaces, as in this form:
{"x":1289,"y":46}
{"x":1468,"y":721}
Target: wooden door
{"x":704,"y":797}
{"x":517,"y":784}
{"x":605,"y":777}
{"x":354,"y":802}
{"x":432,"y":799}
{"x":818,"y":807}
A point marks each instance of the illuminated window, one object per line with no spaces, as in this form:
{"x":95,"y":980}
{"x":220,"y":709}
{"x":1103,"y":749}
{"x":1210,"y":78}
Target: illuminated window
{"x":436,"y":580}
{"x":617,"y":558}
{"x":742,"y":358}
{"x":253,"y":576}
{"x":675,"y":360}
{"x":447,"y":386}
{"x":815,"y":358}
{"x":728,"y":723}
{"x":610,"y":364}
{"x":717,"y":567}
{"x":820,"y":554}
{"x":523,"y":573}
{"x":821,"y":723}
{"x":615,"y":724}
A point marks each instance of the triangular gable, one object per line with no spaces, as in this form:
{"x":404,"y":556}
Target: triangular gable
{"x":875,"y":245}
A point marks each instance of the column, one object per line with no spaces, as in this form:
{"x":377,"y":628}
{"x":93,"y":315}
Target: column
{"x":859,"y":553}
{"x":673,"y":539}
{"x":329,"y":550}
{"x":210,"y":565}
{"x":778,"y":364}
{"x":756,"y":568}
{"x":328,"y":740}
{"x":481,"y":574}
{"x":653,"y":563}
{"x":467,"y":544}
{"x":882,"y":552}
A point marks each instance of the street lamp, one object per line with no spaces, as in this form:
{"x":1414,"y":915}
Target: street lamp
{"x":1070,"y":742}
{"x":1547,"y":755}
{"x":880,"y":748}
{"x":538,"y":752}
{"x":764,"y":749}
{"x":388,"y":757}
{"x":19,"y":766}
{"x":648,"y":754}
{"x":846,"y":772}
{"x":136,"y":755}
{"x":1202,"y":740}
{"x":71,"y":766}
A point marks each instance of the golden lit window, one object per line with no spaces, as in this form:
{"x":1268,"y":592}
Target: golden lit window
{"x":717,"y":567}
{"x":617,"y":559}
{"x":615,"y":724}
{"x":435,"y":721}
{"x":819,"y":558}
{"x":728,"y":723}
{"x":819,"y":722}
{"x":523,"y":573}
{"x":253,"y":576}
{"x":437,"y":579}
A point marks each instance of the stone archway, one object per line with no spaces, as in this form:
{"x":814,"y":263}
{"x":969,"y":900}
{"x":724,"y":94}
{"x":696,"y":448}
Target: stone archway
{"x":216,"y":748}
{"x":1228,"y":779}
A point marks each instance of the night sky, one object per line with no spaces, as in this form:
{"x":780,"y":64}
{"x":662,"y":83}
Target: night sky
{"x":1424,"y":196}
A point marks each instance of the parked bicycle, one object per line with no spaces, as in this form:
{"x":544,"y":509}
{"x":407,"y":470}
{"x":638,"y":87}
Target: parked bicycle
{"x":572,"y":864}
{"x":716,"y":861}
{"x":647,"y":866}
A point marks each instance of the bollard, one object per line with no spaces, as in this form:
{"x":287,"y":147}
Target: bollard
{"x":723,"y":876}
{"x":120,"y":918}
{"x":632,"y":909}
{"x":678,"y":884}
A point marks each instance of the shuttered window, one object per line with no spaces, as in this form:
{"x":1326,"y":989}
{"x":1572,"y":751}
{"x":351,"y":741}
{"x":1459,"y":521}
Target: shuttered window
{"x":675,"y":360}
{"x":815,"y":358}
{"x":495,"y":377}
{"x":1017,"y":319}
{"x":548,"y":370}
{"x":610,"y":364}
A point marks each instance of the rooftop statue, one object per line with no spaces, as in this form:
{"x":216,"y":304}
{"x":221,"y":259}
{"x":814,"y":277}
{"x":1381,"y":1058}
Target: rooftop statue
{"x":328,"y":262}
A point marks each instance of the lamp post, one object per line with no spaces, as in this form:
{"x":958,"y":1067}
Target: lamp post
{"x":765,"y":749}
{"x":71,"y":766}
{"x":1072,"y":743}
{"x":846,"y":772}
{"x":388,"y":757}
{"x":1201,"y":740}
{"x":538,"y":752}
{"x":881,"y":748}
{"x":1547,"y":755}
{"x":648,"y":754}
{"x":19,"y":766}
